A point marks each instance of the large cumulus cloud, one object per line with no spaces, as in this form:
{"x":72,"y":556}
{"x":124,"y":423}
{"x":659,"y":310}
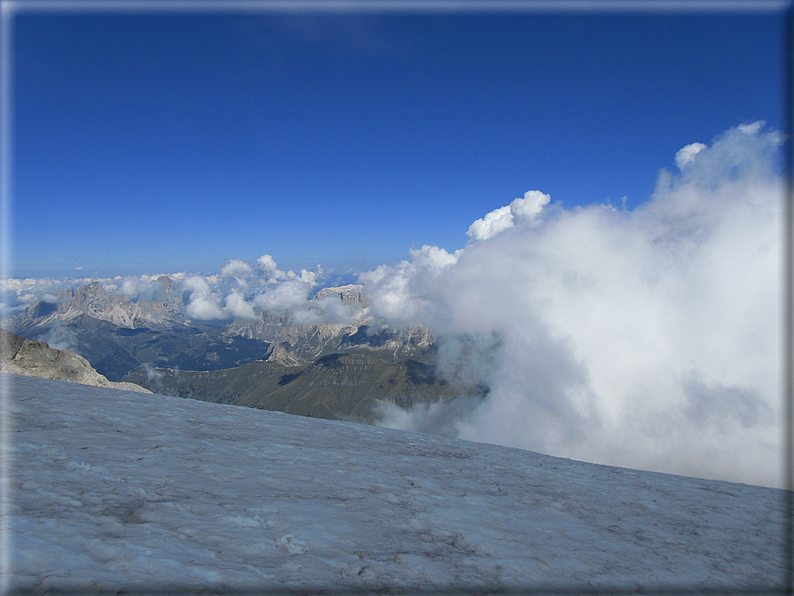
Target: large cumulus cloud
{"x":645,"y":338}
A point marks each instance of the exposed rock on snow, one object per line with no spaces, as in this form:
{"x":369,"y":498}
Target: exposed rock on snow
{"x":21,"y":356}
{"x":115,"y":490}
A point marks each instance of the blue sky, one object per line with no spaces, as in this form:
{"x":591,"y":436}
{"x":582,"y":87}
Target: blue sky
{"x":171,"y":142}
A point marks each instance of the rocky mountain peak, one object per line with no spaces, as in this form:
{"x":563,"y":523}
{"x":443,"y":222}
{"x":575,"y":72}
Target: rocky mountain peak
{"x":348,"y":294}
{"x":87,"y":293}
{"x":168,"y":285}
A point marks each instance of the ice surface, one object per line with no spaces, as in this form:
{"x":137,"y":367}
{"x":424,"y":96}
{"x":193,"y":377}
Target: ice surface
{"x":116,"y":490}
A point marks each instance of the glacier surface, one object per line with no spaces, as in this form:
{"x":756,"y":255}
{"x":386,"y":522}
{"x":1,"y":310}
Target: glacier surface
{"x":113,"y":490}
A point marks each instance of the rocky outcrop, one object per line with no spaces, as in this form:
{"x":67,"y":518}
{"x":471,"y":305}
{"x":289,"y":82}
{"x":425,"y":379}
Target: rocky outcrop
{"x":88,"y":294}
{"x":168,"y":285}
{"x":283,"y":354}
{"x":21,"y":356}
{"x":306,"y":341}
{"x":349,"y":294}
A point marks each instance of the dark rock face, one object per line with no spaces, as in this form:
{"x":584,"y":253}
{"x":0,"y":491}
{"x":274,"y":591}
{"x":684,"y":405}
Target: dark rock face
{"x":89,"y":293}
{"x":283,"y":354}
{"x":349,"y":295}
{"x":168,"y":285}
{"x":40,"y":309}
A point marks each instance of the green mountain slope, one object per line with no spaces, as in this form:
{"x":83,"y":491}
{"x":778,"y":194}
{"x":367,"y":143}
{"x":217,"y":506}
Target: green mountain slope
{"x":335,"y":386}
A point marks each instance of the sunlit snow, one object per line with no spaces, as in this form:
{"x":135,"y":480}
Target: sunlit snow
{"x":117,"y":490}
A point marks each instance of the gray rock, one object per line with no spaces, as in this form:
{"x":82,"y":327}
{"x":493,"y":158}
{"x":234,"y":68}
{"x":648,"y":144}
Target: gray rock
{"x":21,"y":356}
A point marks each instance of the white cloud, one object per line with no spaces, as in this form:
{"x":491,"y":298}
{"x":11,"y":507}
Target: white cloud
{"x":235,"y":268}
{"x":439,"y":418}
{"x":434,"y":258}
{"x":390,"y":296}
{"x":17,"y":293}
{"x":204,"y":304}
{"x":309,"y":277}
{"x":529,"y":208}
{"x":196,"y":284}
{"x":521,"y":210}
{"x":490,"y":225}
{"x":645,"y":339}
{"x":238,"y":307}
{"x":269,"y":267}
{"x":285,"y":296}
{"x":326,"y":310}
{"x":238,"y":290}
{"x":751,"y":128}
{"x":406,"y":293}
{"x":688,"y":153}
{"x":143,"y":287}
{"x":267,"y":263}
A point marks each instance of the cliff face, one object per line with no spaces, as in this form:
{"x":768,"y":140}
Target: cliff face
{"x":30,"y":358}
{"x":283,"y":354}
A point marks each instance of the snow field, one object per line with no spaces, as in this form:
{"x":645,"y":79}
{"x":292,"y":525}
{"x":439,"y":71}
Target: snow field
{"x":115,"y":489}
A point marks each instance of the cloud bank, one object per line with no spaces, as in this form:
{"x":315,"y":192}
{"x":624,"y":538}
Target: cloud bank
{"x":646,"y":338}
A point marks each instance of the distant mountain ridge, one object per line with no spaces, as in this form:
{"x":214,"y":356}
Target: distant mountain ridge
{"x":349,"y":294}
{"x":118,"y":335}
{"x":133,"y":341}
{"x":335,"y":370}
{"x":91,"y":299}
{"x":308,"y":342}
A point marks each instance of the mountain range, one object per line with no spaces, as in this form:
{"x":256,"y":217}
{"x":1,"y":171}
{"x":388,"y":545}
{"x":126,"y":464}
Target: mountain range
{"x":329,"y":370}
{"x":117,"y":335}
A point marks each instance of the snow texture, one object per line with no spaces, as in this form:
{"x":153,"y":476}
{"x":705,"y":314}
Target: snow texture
{"x":114,"y":490}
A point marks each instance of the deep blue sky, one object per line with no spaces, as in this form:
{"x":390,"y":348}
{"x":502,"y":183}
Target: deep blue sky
{"x":148,"y":144}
